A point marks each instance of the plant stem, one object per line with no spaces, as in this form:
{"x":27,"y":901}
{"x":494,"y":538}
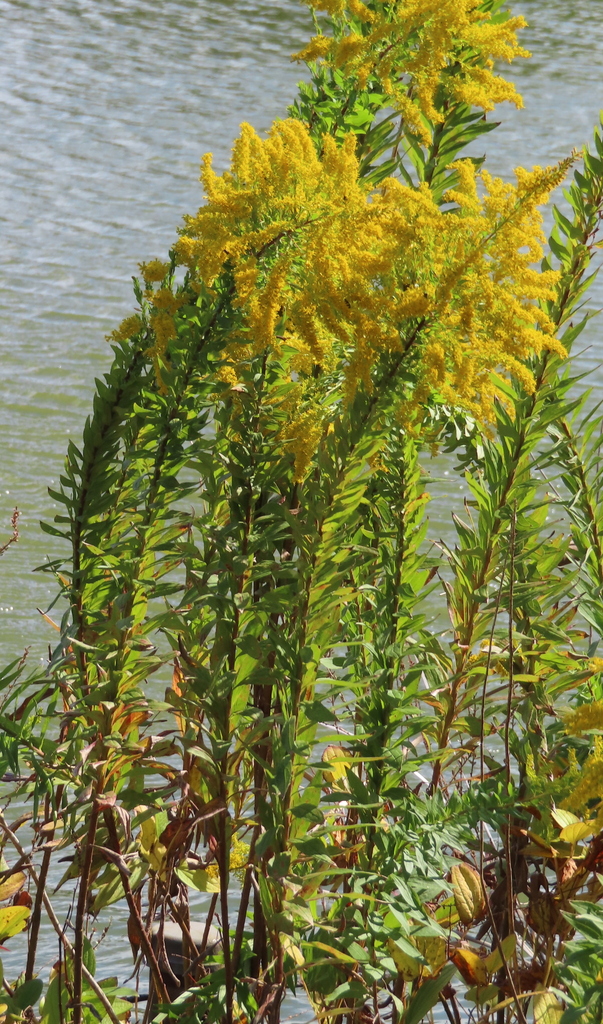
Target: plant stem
{"x":36,"y":914}
{"x":80,"y":914}
{"x":224,"y":857}
{"x":145,"y":942}
{"x":90,"y":979}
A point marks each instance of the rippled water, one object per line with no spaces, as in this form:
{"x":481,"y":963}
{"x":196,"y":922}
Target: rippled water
{"x":107,"y":106}
{"x":106,"y":109}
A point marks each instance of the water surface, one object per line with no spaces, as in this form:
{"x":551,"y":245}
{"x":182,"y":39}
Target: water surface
{"x":107,"y":108}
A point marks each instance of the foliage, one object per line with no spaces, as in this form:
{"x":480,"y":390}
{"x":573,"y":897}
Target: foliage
{"x":396,"y":816}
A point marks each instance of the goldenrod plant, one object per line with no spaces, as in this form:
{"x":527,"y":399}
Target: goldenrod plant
{"x":374,"y":752}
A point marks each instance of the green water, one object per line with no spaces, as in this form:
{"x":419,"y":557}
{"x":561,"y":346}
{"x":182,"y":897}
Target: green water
{"x":107,"y":107}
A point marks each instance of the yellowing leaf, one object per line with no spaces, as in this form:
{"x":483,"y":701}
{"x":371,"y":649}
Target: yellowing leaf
{"x":292,"y":950}
{"x":334,"y":952}
{"x":471,"y":966}
{"x":547,"y":1008}
{"x":12,"y":921}
{"x":151,"y":849}
{"x":447,"y":915}
{"x":575,"y":832}
{"x":433,"y":949}
{"x":494,"y":961}
{"x":563,"y":818}
{"x":339,"y":761}
{"x":539,"y":850}
{"x":12,"y":885}
{"x":468,"y":892}
{"x":408,"y":966}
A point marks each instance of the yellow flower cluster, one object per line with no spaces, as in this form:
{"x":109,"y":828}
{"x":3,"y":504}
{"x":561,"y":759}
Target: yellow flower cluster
{"x":127,"y":329}
{"x":342,"y":275}
{"x":587,"y":793}
{"x":163,"y":305}
{"x":239,"y":858}
{"x":586,"y":718}
{"x":422,"y":39}
{"x":154,"y":271}
{"x":587,"y":796}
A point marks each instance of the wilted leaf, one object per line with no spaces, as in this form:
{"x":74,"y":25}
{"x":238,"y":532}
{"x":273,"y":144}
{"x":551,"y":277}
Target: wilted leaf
{"x":472,"y":967}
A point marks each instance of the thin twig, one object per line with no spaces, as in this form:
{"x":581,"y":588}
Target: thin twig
{"x":14,"y":520}
{"x":101,"y":996}
{"x":80,"y":913}
{"x":143,"y":937}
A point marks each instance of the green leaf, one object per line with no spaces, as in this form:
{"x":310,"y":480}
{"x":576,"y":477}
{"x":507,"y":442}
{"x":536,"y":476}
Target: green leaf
{"x":29,"y":993}
{"x":428,"y":995}
{"x":199,"y":879}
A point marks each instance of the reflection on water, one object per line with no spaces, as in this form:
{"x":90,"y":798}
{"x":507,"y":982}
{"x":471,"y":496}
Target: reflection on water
{"x":106,"y":110}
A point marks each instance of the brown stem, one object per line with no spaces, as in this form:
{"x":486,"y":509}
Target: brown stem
{"x":245,"y":892}
{"x":143,"y":936}
{"x":80,"y":914}
{"x":224,"y":858}
{"x":516,"y":996}
{"x":509,"y":714}
{"x":90,"y":980}
{"x":36,"y":914}
{"x":14,"y":538}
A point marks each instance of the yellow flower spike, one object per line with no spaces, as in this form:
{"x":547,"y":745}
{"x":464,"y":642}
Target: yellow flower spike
{"x":246,"y":277}
{"x":305,"y":433}
{"x":465,"y":194}
{"x":317,"y":49}
{"x":349,"y":47}
{"x":265,"y":307}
